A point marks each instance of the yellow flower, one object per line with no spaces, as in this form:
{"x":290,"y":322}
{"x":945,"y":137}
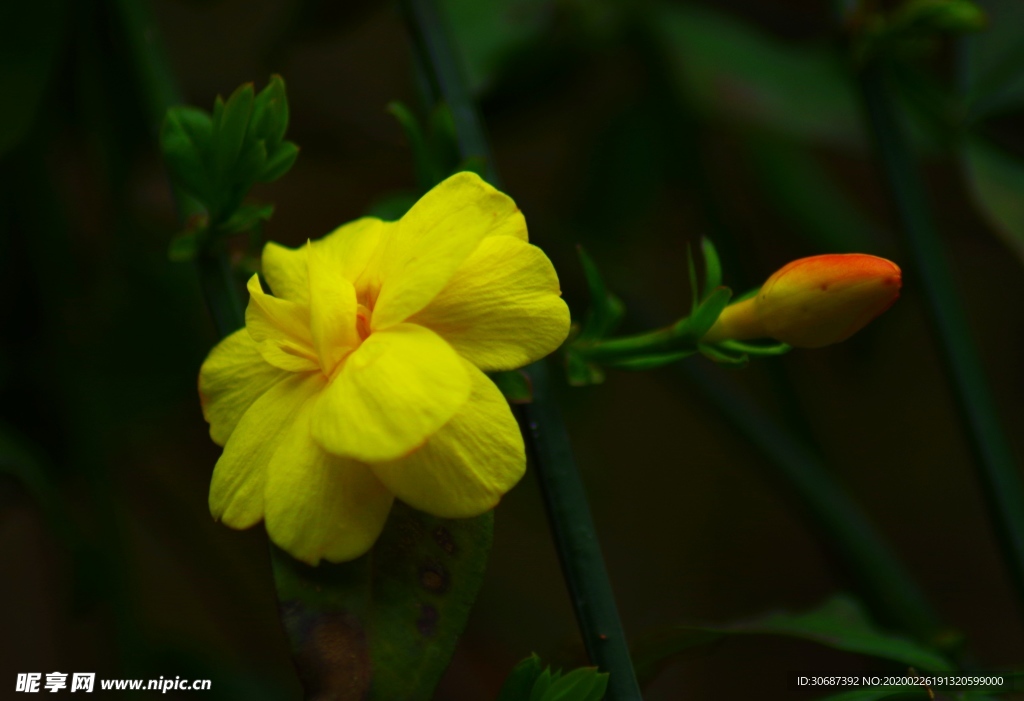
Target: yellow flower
{"x":361,"y":378}
{"x":813,"y":302}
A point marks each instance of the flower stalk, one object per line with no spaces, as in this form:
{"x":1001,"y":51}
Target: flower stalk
{"x":547,"y":439}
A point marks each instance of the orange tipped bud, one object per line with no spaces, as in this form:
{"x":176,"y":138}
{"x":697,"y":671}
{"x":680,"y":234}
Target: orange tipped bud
{"x":813,"y":302}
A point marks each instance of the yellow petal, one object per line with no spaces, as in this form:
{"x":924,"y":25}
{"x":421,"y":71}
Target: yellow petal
{"x":280,"y":329}
{"x":332,"y":311}
{"x":232,"y":377}
{"x":466,"y":467}
{"x":351,"y":247}
{"x":428,"y":244}
{"x":236,"y":491}
{"x":319,"y":506}
{"x":502,"y":308}
{"x":285,"y":271}
{"x":390,"y":395}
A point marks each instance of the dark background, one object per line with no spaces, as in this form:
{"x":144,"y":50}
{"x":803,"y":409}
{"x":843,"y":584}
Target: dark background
{"x":111,"y":561}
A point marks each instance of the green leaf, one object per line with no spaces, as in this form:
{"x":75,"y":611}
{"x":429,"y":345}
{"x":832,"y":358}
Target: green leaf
{"x":839,"y":623}
{"x":578,"y":685}
{"x":729,"y":70}
{"x":384,"y":626}
{"x":606,"y":310}
{"x":185,"y":142}
{"x":543,"y":683}
{"x":579,"y":372}
{"x":279,"y":163}
{"x":515,"y":385}
{"x":996,"y":182}
{"x":270,"y":114}
{"x":230,"y":129}
{"x":520,"y":681}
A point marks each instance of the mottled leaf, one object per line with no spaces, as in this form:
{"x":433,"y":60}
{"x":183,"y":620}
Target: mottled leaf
{"x":383,"y":627}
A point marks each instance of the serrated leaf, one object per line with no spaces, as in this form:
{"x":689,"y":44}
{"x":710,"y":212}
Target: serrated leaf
{"x":996,"y":183}
{"x":520,"y":681}
{"x":840,"y":623}
{"x":384,"y":626}
{"x":279,"y":162}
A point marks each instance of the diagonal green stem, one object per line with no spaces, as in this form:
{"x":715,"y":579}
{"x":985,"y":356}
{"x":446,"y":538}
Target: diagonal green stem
{"x":998,"y":471}
{"x":548,"y":442}
{"x":840,"y":522}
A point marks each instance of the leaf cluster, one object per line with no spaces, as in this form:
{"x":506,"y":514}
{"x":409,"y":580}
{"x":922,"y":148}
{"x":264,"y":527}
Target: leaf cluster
{"x":215,"y":159}
{"x":530,"y":681}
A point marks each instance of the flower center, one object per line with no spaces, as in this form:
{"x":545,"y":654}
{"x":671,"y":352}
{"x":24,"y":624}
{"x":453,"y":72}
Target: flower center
{"x":364,"y":315}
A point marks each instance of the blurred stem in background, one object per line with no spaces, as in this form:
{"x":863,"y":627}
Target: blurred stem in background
{"x":998,"y":472}
{"x":867,"y":557}
{"x":160,"y":92}
{"x":547,"y":439}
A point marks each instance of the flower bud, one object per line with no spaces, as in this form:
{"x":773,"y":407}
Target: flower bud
{"x":813,"y":302}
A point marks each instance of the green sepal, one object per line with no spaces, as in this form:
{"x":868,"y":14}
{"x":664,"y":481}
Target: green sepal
{"x":712,"y":266}
{"x":384,"y":626}
{"x":230,"y":128}
{"x":754,"y":349}
{"x":693,"y":328}
{"x":723,"y":357}
{"x":515,"y":385}
{"x":279,"y":163}
{"x":606,"y":310}
{"x":650,"y":362}
{"x":579,"y":372}
{"x":520,"y":681}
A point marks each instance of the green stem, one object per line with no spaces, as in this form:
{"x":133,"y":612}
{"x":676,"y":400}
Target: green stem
{"x":160,"y":90}
{"x":998,"y":471}
{"x":548,"y":442}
